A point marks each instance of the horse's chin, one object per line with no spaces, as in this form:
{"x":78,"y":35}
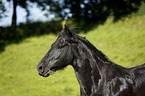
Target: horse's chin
{"x":46,"y":75}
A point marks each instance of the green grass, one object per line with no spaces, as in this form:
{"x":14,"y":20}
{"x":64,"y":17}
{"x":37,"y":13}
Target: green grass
{"x":19,"y":76}
{"x":123,"y":42}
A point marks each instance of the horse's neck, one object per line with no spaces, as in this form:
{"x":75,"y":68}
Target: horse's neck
{"x":92,"y":68}
{"x":88,"y":76}
{"x":87,"y":68}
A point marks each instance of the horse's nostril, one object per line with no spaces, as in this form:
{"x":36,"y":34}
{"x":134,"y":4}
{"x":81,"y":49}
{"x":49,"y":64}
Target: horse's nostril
{"x":41,"y":69}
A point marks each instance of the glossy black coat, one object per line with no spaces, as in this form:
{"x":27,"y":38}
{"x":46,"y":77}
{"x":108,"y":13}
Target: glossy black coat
{"x":96,"y":74}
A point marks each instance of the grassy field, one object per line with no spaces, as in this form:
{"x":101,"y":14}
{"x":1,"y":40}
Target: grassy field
{"x":123,"y":42}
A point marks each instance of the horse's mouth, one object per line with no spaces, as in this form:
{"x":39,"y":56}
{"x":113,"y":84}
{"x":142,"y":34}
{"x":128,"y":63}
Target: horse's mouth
{"x":46,"y":75}
{"x":49,"y":72}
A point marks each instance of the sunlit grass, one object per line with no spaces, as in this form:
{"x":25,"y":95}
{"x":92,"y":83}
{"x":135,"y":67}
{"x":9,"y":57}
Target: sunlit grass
{"x":123,"y":42}
{"x":19,"y":76}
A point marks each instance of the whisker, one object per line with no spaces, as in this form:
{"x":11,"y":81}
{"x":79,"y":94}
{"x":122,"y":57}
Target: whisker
{"x":51,"y":72}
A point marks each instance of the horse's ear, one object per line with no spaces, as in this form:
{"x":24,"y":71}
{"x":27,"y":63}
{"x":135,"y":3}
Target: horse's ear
{"x":67,"y":31}
{"x":68,"y":35}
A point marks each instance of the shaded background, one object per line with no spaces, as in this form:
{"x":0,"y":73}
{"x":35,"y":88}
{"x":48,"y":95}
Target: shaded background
{"x":82,"y":13}
{"x":116,"y":27}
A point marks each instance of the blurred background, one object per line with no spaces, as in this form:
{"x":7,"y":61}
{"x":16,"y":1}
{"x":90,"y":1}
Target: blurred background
{"x":29,"y":27}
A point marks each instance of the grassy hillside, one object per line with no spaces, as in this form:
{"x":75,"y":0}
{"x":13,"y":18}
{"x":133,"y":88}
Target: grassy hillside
{"x":19,"y":76}
{"x":123,"y":42}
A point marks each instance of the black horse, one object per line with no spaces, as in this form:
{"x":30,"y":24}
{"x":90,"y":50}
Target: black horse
{"x":96,"y":74}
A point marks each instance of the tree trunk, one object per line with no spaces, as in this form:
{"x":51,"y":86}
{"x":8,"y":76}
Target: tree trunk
{"x":14,"y":17}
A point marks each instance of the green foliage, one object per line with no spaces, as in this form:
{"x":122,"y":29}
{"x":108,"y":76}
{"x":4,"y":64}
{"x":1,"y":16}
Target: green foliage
{"x":123,"y":42}
{"x":94,"y":11}
{"x":30,"y":29}
{"x":2,"y":10}
{"x":40,"y":28}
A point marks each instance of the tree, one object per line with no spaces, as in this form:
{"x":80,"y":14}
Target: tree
{"x":88,"y":11}
{"x":94,"y":11}
{"x":24,"y":4}
{"x":2,"y":10}
{"x":14,"y":17}
{"x":15,"y":3}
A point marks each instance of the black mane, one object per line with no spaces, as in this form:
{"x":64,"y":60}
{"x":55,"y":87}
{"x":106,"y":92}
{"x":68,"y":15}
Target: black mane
{"x":99,"y":54}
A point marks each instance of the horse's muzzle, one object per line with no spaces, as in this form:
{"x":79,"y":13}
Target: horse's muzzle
{"x":42,"y":72}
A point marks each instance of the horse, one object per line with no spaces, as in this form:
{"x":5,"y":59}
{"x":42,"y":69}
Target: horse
{"x":96,"y":74}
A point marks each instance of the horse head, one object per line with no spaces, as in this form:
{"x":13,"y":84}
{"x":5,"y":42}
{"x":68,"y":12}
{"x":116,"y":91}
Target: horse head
{"x":60,"y":55}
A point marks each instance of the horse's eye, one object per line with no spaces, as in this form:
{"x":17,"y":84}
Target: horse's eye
{"x":62,"y":44}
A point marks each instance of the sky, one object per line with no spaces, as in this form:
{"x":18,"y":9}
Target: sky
{"x":36,"y":14}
